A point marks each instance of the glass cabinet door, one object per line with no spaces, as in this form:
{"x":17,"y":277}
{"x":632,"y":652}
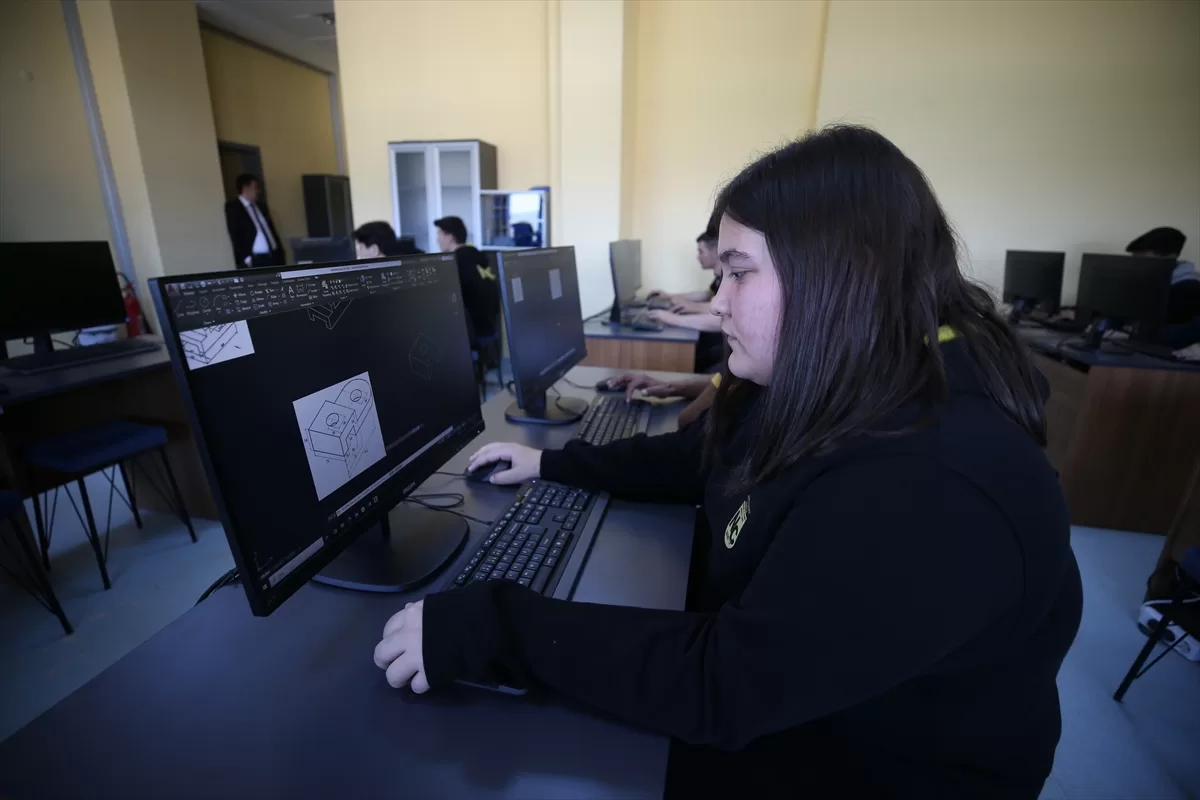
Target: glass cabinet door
{"x":410,"y":177}
{"x":457,"y":186}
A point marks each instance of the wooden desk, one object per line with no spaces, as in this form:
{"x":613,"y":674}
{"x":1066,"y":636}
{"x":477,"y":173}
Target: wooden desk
{"x":620,"y":347}
{"x":1123,"y":432}
{"x":138,"y":387}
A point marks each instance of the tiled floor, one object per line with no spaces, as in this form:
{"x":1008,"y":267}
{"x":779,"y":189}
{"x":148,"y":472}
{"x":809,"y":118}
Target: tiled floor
{"x":1149,"y":747}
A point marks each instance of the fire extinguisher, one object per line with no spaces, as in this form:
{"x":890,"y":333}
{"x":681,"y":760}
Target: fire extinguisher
{"x":133,"y":311}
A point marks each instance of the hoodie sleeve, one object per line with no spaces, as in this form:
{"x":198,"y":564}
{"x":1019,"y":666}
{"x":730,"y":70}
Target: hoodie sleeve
{"x":656,"y":469}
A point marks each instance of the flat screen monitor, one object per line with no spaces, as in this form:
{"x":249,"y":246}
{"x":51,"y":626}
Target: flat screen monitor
{"x":1119,"y":290}
{"x":1033,"y":279}
{"x":625,"y":260}
{"x":320,"y":398}
{"x":539,"y":292}
{"x":320,"y":251}
{"x":49,"y":287}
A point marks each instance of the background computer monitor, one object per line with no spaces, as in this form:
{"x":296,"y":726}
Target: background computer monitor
{"x":1123,"y":290}
{"x":625,"y":260}
{"x":320,"y":251}
{"x":539,"y":291}
{"x":1032,"y":279}
{"x":320,"y":398}
{"x":48,"y":287}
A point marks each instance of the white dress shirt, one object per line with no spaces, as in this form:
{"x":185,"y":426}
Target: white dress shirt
{"x":264,"y":242}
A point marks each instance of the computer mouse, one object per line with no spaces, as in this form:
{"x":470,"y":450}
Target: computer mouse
{"x":604,"y":386}
{"x":484,"y":474}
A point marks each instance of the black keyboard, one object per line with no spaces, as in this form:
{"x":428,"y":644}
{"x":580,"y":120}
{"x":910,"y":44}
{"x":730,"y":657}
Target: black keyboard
{"x":610,"y":418}
{"x":641,"y":321}
{"x":541,"y":540}
{"x":61,"y":359}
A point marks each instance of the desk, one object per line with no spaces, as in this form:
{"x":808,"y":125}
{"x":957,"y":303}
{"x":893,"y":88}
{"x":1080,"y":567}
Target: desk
{"x":623,"y":348}
{"x":139,"y":387}
{"x":224,"y":704}
{"x":1123,"y":432}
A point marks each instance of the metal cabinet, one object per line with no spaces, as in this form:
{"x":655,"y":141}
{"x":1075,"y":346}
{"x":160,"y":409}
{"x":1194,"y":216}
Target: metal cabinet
{"x":431,"y":180}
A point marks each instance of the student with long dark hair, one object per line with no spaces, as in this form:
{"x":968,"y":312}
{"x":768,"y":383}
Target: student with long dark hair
{"x":889,"y":590}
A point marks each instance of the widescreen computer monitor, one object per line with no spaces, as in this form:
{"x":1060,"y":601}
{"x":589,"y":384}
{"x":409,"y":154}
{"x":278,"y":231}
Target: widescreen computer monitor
{"x":320,"y":251}
{"x":320,"y":398}
{"x":49,"y":287}
{"x":625,"y":260}
{"x":1032,"y":279}
{"x":539,"y":291}
{"x":1118,"y":290}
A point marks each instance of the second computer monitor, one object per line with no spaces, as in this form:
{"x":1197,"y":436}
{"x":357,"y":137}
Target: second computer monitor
{"x":1124,"y":290}
{"x":625,"y":260}
{"x":539,"y":290}
{"x":1033,"y":279}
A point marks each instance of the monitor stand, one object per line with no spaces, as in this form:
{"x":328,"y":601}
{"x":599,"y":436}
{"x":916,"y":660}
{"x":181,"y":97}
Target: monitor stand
{"x":1094,"y":337}
{"x":1020,"y":307}
{"x":406,"y":550}
{"x":562,"y":411}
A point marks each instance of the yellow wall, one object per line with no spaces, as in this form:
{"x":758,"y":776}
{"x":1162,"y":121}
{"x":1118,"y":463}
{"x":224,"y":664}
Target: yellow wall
{"x":283,"y":107}
{"x":49,"y":186}
{"x":1042,"y":125}
{"x":426,"y":69}
{"x":717,"y":83}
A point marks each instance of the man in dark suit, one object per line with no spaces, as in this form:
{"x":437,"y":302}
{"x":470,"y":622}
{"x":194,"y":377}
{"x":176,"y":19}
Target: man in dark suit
{"x":255,"y":241}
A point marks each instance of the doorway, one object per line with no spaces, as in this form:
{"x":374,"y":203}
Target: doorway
{"x":238,"y":159}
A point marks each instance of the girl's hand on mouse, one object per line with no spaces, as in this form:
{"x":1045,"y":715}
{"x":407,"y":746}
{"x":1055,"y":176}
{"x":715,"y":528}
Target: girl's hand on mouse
{"x":525,"y":462}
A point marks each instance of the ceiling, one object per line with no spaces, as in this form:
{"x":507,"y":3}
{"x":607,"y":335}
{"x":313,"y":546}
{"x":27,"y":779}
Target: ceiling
{"x":292,"y":27}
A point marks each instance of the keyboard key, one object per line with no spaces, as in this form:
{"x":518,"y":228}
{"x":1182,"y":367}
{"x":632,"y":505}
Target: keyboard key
{"x":568,"y":526}
{"x":551,"y":562}
{"x":560,"y":517}
{"x":529,"y":573}
{"x":512,"y":575}
{"x":555,"y":552}
{"x":539,"y":582}
{"x":524,"y":582}
{"x":496,"y":574}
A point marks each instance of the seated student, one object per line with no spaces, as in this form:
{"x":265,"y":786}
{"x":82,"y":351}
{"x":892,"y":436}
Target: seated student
{"x":377,"y":239}
{"x":890,"y":588}
{"x":480,"y":287}
{"x":1183,"y":304}
{"x":706,"y":255}
{"x":700,"y":389}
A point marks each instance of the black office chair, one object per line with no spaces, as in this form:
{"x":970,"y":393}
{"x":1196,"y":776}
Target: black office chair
{"x":485,"y":354}
{"x":1187,"y":590}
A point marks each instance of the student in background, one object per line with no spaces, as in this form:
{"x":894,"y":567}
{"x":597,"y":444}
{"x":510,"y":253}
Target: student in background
{"x":377,"y":239}
{"x":1183,"y":303}
{"x":700,"y":389}
{"x":692,"y":310}
{"x":890,"y":589}
{"x":480,"y":287}
{"x":255,"y":241}
{"x":706,"y":256}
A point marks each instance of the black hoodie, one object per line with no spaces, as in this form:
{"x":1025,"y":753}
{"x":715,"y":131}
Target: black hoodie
{"x":481,"y":291}
{"x":887,"y":620}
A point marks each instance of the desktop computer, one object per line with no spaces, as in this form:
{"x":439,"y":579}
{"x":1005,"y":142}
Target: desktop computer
{"x":1032,"y":279}
{"x":53,"y":287}
{"x":320,"y":398}
{"x":625,"y":262}
{"x":539,"y":296}
{"x":1119,"y":290}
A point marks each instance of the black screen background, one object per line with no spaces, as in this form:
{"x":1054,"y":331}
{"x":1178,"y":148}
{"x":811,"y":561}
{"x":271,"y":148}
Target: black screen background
{"x":540,"y":328}
{"x":245,"y":408}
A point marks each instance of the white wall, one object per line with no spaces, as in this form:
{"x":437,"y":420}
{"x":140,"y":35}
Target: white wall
{"x":1042,"y":125}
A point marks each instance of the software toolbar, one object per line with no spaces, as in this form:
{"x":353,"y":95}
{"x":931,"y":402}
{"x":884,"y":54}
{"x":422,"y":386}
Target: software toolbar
{"x":201,"y":303}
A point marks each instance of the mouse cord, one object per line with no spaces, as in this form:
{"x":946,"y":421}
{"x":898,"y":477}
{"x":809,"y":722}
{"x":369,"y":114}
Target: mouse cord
{"x":455,"y":501}
{"x":229,"y":578}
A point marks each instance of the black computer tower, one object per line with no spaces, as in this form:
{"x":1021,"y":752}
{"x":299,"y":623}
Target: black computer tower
{"x":327,"y":206}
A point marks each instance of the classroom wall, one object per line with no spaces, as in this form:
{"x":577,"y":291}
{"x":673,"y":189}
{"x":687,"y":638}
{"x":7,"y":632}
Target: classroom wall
{"x":717,"y":84}
{"x":425,"y":69}
{"x":49,"y":186}
{"x":260,"y":98}
{"x":1042,"y":125}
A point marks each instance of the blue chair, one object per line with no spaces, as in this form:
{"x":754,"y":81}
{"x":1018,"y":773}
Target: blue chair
{"x":1187,"y":586}
{"x":105,"y":448}
{"x":26,"y":569}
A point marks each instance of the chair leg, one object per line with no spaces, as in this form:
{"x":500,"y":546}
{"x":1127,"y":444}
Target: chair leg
{"x":94,"y":535}
{"x":137,"y":517}
{"x":43,"y":539}
{"x":183,"y":515}
{"x":40,"y":579}
{"x":1153,"y":639}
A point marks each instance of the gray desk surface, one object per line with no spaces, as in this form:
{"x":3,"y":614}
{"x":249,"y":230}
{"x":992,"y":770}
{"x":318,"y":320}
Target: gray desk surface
{"x":1054,"y":344}
{"x":223,"y":704}
{"x":603,"y":329}
{"x":24,"y":388}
